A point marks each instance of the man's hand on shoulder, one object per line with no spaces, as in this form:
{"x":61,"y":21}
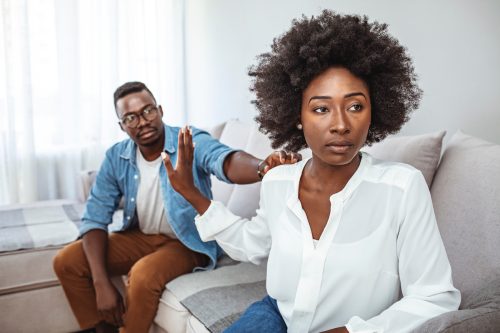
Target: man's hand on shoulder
{"x":243,"y":168}
{"x":277,"y":158}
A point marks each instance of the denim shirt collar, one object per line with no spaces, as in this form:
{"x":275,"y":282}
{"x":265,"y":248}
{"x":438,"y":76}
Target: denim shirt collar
{"x":129,"y":153}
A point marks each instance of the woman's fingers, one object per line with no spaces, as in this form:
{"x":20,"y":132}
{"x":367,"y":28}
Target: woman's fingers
{"x":168,"y":163}
{"x":180,"y":147}
{"x":189,"y":144}
{"x":185,"y":148}
{"x":185,"y":145}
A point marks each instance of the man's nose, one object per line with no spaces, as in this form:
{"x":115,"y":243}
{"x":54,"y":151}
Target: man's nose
{"x":142,"y":120}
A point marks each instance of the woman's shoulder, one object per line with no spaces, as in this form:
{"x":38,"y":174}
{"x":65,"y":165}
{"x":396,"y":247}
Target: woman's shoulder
{"x":285,"y":172}
{"x":395,"y":173}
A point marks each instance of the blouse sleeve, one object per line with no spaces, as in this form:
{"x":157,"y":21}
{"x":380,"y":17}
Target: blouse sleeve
{"x":424,"y":269}
{"x":242,"y":239}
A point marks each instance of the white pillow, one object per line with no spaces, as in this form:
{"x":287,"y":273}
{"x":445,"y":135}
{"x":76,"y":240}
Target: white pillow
{"x":244,"y":199}
{"x":235,"y":134}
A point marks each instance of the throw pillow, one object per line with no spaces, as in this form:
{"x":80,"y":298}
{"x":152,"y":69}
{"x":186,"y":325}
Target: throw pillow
{"x":421,"y":151}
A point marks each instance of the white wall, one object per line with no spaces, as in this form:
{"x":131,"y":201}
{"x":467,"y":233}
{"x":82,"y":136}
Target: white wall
{"x":454,"y":44}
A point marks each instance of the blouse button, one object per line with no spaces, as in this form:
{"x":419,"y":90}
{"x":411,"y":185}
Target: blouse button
{"x":132,"y":199}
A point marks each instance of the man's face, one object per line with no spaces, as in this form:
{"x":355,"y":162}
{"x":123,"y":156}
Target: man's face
{"x":146,"y":132}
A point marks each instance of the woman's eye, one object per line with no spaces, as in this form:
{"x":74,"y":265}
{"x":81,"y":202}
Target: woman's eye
{"x":320,"y":109}
{"x":355,"y":107}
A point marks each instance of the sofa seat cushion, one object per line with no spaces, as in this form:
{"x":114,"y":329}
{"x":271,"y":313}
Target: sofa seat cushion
{"x":465,"y":194}
{"x":215,"y":298}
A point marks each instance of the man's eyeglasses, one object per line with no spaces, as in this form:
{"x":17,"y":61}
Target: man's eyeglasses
{"x":132,"y":120}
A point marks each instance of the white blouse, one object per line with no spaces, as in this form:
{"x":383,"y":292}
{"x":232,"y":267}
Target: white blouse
{"x":381,"y":240}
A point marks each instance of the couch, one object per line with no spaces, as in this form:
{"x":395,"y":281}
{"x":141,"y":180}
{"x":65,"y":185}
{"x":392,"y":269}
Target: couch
{"x":464,"y":180}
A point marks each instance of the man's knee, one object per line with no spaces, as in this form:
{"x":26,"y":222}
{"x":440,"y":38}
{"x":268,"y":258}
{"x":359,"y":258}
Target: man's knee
{"x":140,"y":278}
{"x":67,"y":259}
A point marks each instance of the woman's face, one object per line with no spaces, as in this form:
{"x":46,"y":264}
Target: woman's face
{"x":336,"y":115}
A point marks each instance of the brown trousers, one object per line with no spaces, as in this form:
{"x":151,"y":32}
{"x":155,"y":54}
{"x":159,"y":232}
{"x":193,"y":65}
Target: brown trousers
{"x":150,"y":262}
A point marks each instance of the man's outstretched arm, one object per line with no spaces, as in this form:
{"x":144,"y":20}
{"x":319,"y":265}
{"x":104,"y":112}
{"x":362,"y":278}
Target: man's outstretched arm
{"x":243,"y":168}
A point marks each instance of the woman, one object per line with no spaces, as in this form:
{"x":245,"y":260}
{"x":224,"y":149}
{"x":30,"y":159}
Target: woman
{"x":345,"y":234}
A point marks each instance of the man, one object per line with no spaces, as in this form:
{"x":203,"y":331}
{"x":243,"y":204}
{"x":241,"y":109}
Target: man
{"x":158,"y":241}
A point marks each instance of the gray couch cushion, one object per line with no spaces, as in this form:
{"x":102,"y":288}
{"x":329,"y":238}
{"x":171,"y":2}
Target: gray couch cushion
{"x":420,"y":151}
{"x":466,"y":194}
{"x":481,"y":313}
{"x":217,"y":298}
{"x":39,"y":224}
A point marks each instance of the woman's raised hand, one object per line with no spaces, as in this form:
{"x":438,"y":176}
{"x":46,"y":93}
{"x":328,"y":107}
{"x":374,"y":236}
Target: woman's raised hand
{"x":181,"y":178}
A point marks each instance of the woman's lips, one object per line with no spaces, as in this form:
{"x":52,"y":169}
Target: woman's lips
{"x":339,"y":147}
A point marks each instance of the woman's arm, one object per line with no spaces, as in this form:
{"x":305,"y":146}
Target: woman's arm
{"x":424,"y":269}
{"x":181,"y":178}
{"x":239,"y":167}
{"x":241,"y":240}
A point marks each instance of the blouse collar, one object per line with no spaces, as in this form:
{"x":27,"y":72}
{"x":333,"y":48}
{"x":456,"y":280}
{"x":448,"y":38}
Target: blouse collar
{"x":343,"y":194}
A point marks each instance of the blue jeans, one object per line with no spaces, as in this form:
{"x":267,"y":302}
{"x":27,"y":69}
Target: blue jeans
{"x":261,"y":317}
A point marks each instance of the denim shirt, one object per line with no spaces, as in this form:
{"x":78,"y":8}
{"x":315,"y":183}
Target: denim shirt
{"x":119,"y":177}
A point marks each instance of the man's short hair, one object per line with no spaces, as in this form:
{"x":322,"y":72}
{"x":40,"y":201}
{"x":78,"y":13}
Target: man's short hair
{"x":130,"y":88}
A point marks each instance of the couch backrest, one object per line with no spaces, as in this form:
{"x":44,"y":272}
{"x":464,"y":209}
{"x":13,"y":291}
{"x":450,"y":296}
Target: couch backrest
{"x":421,"y":151}
{"x":242,"y":200}
{"x":466,"y":197}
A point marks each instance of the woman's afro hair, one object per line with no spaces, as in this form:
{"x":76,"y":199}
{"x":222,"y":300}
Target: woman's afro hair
{"x":315,"y":44}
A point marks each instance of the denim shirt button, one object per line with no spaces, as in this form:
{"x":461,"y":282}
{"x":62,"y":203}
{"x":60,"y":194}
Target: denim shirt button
{"x":132,"y":199}
{"x":136,"y":176}
{"x":128,"y":217}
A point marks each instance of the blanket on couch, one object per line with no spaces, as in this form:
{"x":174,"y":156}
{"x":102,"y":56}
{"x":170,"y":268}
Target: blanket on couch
{"x":40,"y":224}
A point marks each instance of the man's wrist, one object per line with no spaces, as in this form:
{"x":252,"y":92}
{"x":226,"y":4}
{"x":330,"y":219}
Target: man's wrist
{"x":101,"y":282}
{"x":260,"y":168}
